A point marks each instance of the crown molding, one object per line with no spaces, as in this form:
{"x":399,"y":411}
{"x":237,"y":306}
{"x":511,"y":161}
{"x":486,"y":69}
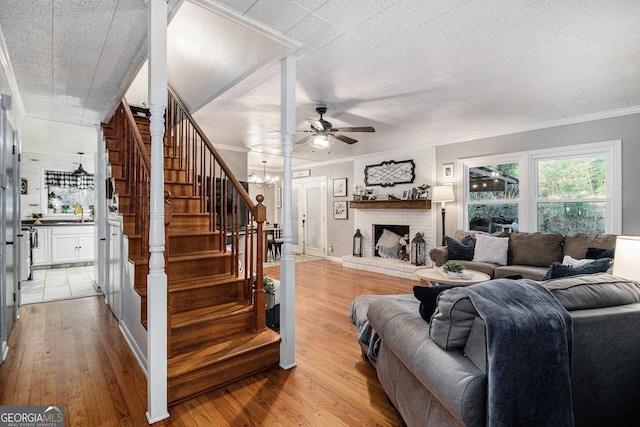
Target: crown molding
{"x":547,"y":125}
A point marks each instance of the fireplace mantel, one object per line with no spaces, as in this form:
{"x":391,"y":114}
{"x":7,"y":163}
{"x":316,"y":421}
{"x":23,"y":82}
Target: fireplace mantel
{"x":391,"y":204}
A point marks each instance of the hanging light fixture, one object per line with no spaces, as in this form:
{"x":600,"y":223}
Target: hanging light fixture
{"x":264,"y":182}
{"x":80,"y":171}
{"x":322,"y":141}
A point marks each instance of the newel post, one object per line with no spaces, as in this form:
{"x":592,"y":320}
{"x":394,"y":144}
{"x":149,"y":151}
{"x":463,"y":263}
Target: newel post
{"x":260,"y":300}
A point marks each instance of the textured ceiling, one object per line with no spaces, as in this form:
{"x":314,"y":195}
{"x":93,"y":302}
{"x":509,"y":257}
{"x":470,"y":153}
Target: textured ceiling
{"x":419,"y":71}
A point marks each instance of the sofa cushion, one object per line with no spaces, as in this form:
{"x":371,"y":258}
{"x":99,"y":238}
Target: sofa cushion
{"x":491,"y":249}
{"x":460,"y":250}
{"x":558,"y":270}
{"x":593,"y":291}
{"x":576,"y":244}
{"x":452,"y":321}
{"x":428,"y":297}
{"x":597,"y":253}
{"x":526,"y":271}
{"x":537,"y":249}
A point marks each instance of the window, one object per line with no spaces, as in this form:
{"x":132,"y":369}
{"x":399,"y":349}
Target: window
{"x":565,"y":190}
{"x":571,"y":195}
{"x":494,"y":192}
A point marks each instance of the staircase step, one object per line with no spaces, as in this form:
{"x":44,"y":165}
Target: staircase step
{"x":178,"y":175}
{"x":171,"y":162}
{"x":207,"y":326}
{"x":189,"y":222}
{"x":185,"y":204}
{"x":178,"y":188}
{"x":184,"y":242}
{"x":208,"y":291}
{"x":199,"y":264}
{"x":219,"y":364}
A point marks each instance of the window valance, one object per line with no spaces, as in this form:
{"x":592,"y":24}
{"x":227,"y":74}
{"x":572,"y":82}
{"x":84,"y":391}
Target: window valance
{"x":67,"y":179}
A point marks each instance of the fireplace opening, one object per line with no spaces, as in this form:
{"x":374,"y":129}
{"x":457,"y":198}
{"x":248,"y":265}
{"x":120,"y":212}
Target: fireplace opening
{"x":389,"y":240}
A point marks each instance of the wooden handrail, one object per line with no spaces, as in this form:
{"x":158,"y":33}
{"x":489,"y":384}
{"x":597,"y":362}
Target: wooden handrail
{"x":207,"y":172}
{"x":219,"y":159}
{"x":146,"y":159}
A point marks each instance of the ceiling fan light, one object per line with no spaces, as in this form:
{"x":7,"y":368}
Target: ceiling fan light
{"x":321,"y":142}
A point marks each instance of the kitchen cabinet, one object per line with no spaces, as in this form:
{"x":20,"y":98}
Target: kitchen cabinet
{"x":72,"y":244}
{"x":41,"y":249}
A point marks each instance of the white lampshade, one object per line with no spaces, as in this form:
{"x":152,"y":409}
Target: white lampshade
{"x":627,"y":258}
{"x":442,"y":193}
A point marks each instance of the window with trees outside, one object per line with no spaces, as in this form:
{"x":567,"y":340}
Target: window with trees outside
{"x":564,"y":190}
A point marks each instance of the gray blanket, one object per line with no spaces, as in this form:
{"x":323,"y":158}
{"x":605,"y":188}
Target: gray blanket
{"x":529,"y":337}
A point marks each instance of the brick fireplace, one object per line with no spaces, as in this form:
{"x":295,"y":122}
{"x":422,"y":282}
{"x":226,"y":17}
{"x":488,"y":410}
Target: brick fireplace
{"x":418,"y":220}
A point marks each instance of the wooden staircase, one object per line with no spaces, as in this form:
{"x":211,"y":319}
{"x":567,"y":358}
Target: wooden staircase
{"x":216,"y":328}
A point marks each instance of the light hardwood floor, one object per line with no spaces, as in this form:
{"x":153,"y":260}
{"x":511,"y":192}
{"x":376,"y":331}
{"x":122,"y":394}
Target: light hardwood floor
{"x":71,"y":353}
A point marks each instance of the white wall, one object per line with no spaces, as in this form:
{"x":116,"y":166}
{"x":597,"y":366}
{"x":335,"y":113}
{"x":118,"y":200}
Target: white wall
{"x":418,"y":220}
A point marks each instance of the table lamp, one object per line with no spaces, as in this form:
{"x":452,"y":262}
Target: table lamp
{"x":627,"y":255}
{"x":443,"y":194}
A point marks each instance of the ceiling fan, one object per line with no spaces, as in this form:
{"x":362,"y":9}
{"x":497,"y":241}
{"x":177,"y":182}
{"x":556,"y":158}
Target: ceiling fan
{"x":323,"y":133}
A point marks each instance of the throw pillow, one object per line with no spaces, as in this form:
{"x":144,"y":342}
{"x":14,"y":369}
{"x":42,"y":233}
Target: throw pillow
{"x":597,"y":253}
{"x":491,"y":249}
{"x":460,"y":250}
{"x":428,"y":297}
{"x":388,"y":239}
{"x":569,"y":260}
{"x":558,"y":270}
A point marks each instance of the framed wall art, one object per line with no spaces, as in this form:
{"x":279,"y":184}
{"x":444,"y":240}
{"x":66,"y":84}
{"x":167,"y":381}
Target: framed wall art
{"x":340,"y":210}
{"x":390,"y":173}
{"x":340,"y":187}
{"x":278,"y":197}
{"x":447,"y":171}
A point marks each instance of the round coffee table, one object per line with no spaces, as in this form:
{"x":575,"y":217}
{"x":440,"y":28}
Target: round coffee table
{"x":434,"y":276}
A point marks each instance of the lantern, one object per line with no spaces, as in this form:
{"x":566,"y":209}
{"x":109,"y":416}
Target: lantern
{"x":357,"y":243}
{"x":418,"y":250}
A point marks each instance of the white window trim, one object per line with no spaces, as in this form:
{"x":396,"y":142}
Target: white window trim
{"x":527,"y":211}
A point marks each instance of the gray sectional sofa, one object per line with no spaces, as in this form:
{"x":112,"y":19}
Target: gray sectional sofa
{"x":435,"y":372}
{"x":529,"y":254}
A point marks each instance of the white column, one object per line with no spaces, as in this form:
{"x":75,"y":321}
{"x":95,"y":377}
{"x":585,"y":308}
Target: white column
{"x":157,"y":278}
{"x":287,"y":263}
{"x":100,"y":210}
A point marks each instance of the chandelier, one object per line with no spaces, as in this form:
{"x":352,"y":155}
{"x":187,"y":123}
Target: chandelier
{"x":266,"y":181}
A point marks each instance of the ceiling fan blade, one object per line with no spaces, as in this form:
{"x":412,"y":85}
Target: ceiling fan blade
{"x":345,"y":139}
{"x":356,"y":129}
{"x":306,"y":139}
{"x":317,"y":124}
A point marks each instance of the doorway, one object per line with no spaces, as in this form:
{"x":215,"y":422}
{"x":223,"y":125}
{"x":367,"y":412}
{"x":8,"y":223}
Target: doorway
{"x":309,"y":216}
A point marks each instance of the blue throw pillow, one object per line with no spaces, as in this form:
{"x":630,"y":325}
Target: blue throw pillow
{"x":428,"y":297}
{"x":558,"y":270}
{"x":460,"y":250}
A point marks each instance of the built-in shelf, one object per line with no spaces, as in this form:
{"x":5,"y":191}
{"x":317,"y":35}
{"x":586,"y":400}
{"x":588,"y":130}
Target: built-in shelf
{"x":391,"y":204}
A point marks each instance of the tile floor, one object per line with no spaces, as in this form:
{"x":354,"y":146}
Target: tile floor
{"x":59,"y":283}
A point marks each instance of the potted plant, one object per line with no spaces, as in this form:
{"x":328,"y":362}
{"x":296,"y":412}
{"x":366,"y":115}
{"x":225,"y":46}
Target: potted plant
{"x":454,"y":270}
{"x":37,"y":217}
{"x":65,"y":208}
{"x":268,"y":285}
{"x":52,"y":198}
{"x":422,"y":191}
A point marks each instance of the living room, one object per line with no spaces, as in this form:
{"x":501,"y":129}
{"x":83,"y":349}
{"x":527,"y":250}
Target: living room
{"x":441,"y":115}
